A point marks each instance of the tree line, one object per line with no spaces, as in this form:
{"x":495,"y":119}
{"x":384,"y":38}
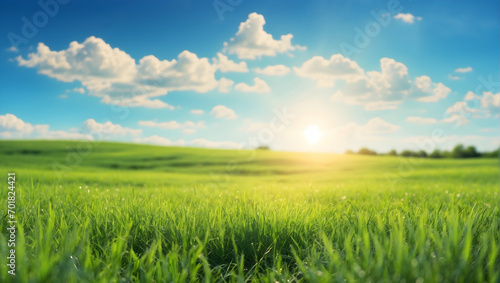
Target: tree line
{"x":459,"y":151}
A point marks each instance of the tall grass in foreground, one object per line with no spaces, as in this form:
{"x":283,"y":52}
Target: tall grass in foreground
{"x":269,"y":233}
{"x":344,"y":223}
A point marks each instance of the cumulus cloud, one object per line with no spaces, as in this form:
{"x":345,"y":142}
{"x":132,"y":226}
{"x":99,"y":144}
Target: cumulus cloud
{"x":108,"y":129}
{"x":225,"y":85}
{"x":251,"y":41}
{"x":197,"y":112}
{"x":260,"y":86}
{"x":157,"y":140}
{"x":326,"y":72}
{"x":374,"y":126}
{"x":113,"y":75}
{"x":12,"y":127}
{"x":463,"y":70}
{"x":420,"y":120}
{"x":374,"y":90}
{"x":222,"y":63}
{"x":215,"y":144}
{"x":477,"y":106}
{"x":277,"y":70}
{"x":171,"y":125}
{"x":407,"y":18}
{"x":222,"y":112}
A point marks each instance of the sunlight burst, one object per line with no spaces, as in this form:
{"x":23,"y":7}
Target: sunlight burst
{"x":313,"y":134}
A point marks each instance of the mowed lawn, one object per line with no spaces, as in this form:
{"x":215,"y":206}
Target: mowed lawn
{"x":110,"y":212}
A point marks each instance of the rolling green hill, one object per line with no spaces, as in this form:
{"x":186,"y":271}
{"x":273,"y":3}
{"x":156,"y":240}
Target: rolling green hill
{"x":109,"y":212}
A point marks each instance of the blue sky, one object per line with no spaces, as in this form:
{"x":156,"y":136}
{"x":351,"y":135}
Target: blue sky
{"x":395,"y":74}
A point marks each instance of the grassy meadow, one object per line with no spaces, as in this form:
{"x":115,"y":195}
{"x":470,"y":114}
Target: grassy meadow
{"x":111,"y":212}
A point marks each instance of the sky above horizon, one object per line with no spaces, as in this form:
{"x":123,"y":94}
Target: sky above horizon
{"x":321,"y":76}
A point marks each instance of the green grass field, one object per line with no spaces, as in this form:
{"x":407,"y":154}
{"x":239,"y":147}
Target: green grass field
{"x":126,"y":213}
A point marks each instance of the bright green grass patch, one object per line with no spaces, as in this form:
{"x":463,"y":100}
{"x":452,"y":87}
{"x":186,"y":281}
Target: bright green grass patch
{"x":141,"y":213}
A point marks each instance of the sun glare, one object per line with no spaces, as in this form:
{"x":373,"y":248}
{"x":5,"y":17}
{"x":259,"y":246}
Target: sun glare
{"x":313,"y":134}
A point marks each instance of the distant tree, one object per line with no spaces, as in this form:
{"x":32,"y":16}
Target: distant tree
{"x":458,"y":151}
{"x":493,"y":154}
{"x":446,"y":154}
{"x":366,"y":151}
{"x":392,"y":152}
{"x":263,"y":147}
{"x":421,"y":153}
{"x":349,"y":151}
{"x":471,"y":152}
{"x":407,"y":153}
{"x":436,"y":154}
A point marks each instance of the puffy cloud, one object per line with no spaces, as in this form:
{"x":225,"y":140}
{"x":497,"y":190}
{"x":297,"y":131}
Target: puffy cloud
{"x":277,"y":70}
{"x":326,"y":72}
{"x":215,"y":144}
{"x":12,"y":127}
{"x":222,"y":112}
{"x":427,"y":91}
{"x":170,"y":125}
{"x":10,"y":122}
{"x":113,"y":75}
{"x":463,"y":70}
{"x":136,"y":101}
{"x":457,"y":119}
{"x":374,"y":90}
{"x":225,"y":85}
{"x":420,"y":120}
{"x":223,"y":64}
{"x":374,"y":126}
{"x":108,"y":129}
{"x":251,"y":41}
{"x":157,"y":140}
{"x":407,"y":18}
{"x":91,"y":60}
{"x":477,"y":106}
{"x":197,"y":112}
{"x":260,"y":86}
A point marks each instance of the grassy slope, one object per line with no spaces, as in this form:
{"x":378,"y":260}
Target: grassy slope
{"x":143,"y":212}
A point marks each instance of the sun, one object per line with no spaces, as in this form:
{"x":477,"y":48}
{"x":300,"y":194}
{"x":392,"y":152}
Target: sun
{"x":313,"y":134}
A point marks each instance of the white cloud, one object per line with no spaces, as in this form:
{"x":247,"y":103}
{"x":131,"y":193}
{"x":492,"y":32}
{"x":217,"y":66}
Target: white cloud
{"x":157,"y":140}
{"x":457,"y":119}
{"x":12,"y":127}
{"x":188,"y":131}
{"x":251,"y":41}
{"x":463,"y":70}
{"x":407,"y":18}
{"x":10,"y":122}
{"x":374,"y":126}
{"x":108,"y":129}
{"x":197,"y":112}
{"x":171,"y":125}
{"x":223,"y":64}
{"x":12,"y":49}
{"x":426,"y":91}
{"x":222,"y":112}
{"x":420,"y":120}
{"x":326,"y":72}
{"x":215,"y":144}
{"x":113,"y":75}
{"x":277,"y":70}
{"x":136,"y":101}
{"x":260,"y":86}
{"x":374,"y":90}
{"x":454,"y":78}
{"x":225,"y":85}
